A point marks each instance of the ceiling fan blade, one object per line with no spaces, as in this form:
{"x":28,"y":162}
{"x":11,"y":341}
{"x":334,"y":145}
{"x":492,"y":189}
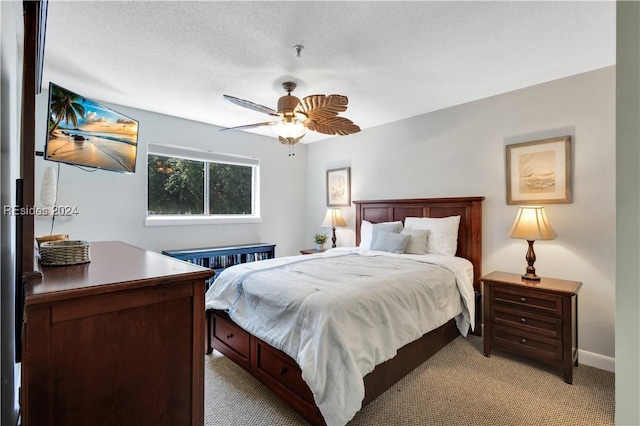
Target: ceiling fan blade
{"x":320,"y":107}
{"x":250,"y":126}
{"x":333,"y":126}
{"x":251,"y":105}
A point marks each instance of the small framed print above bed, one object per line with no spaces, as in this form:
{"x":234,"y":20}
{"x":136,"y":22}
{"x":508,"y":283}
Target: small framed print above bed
{"x":539,"y":172}
{"x":339,"y":187}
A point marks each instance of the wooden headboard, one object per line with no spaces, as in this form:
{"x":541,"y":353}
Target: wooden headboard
{"x":468,"y":208}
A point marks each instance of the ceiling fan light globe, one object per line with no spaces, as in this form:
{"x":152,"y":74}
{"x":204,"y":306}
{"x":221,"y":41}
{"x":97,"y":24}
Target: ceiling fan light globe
{"x":290,"y":129}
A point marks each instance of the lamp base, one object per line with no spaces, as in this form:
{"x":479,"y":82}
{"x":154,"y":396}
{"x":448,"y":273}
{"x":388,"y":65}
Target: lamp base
{"x":531,"y":258}
{"x":333,"y":237}
{"x":530,"y":276}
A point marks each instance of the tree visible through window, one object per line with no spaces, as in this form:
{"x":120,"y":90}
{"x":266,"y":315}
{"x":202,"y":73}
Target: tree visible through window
{"x":176,"y":186}
{"x":185,"y":186}
{"x":230,"y":189}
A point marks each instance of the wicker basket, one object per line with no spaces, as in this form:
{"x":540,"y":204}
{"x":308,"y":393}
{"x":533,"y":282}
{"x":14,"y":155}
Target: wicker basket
{"x":60,"y":253}
{"x":47,"y":238}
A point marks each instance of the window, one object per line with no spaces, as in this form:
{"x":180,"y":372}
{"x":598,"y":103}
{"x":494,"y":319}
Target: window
{"x":187,"y":186}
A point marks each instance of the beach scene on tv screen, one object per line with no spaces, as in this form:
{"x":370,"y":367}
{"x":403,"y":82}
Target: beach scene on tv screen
{"x":84,"y":132}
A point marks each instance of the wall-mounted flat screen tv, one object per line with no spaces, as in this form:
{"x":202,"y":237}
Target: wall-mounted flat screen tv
{"x":83,"y":132}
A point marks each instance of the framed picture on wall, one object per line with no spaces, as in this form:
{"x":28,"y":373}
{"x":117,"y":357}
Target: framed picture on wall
{"x":539,"y":172}
{"x":339,"y":187}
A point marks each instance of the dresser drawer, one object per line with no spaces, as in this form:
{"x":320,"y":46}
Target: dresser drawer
{"x":548,"y":326}
{"x":533,"y":299}
{"x":519,"y":341}
{"x":284,"y":370}
{"x":230,"y":338}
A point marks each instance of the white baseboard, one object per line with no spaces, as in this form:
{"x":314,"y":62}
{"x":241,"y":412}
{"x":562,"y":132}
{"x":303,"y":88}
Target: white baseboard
{"x":591,"y":359}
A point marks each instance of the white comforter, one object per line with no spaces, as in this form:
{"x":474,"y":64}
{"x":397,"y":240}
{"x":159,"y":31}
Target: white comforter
{"x":339,"y":314}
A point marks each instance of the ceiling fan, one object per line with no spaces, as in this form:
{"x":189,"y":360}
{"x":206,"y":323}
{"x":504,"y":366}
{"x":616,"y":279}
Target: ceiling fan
{"x":316,"y":112}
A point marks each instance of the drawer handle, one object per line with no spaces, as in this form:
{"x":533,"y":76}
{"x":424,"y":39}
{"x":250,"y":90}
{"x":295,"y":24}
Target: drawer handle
{"x":523,"y":299}
{"x":523,"y":320}
{"x":523,"y":340}
{"x":283,"y":371}
{"x":230,"y":336}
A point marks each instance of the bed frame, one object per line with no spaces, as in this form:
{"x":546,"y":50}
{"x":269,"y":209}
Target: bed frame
{"x":282,"y":375}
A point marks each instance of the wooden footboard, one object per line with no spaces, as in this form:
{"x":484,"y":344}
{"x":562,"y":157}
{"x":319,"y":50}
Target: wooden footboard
{"x":281,"y":374}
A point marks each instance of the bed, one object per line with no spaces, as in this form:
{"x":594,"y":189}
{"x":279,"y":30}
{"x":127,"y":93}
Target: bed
{"x":281,"y":372}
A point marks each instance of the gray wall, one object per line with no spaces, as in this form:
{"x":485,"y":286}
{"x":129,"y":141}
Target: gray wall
{"x":10,"y":88}
{"x":628,"y":214}
{"x":112,"y":206}
{"x":460,"y":151}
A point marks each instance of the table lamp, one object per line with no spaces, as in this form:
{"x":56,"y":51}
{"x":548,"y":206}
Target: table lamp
{"x":332,"y":219}
{"x":531,"y":224}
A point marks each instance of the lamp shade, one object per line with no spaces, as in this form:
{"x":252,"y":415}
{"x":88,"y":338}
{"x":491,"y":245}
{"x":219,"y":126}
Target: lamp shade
{"x":333,"y":219}
{"x":532,"y":224}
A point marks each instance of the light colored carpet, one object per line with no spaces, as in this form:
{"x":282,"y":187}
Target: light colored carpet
{"x":457,"y":386}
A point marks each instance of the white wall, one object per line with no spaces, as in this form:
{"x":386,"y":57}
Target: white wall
{"x":460,"y":151}
{"x":112,"y":206}
{"x":628,"y":214}
{"x":10,"y":107}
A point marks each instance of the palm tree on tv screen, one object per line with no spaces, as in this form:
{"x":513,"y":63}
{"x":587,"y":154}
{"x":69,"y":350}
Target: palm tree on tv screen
{"x":65,"y":105}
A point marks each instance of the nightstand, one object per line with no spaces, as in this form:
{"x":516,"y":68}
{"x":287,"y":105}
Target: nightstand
{"x":312,"y":251}
{"x":536,"y":319}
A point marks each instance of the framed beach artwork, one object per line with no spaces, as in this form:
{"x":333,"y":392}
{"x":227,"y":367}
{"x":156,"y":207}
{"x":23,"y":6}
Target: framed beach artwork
{"x":539,"y":172}
{"x":339,"y":187}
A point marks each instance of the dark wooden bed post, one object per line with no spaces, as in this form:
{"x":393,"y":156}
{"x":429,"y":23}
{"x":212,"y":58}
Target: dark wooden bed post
{"x":35,"y":17}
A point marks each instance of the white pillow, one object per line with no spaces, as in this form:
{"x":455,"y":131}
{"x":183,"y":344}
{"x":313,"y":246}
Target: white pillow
{"x":443,"y":233}
{"x":418,"y":242}
{"x":366,"y":231}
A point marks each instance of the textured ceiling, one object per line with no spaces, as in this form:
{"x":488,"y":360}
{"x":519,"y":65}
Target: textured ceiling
{"x":392,"y":59}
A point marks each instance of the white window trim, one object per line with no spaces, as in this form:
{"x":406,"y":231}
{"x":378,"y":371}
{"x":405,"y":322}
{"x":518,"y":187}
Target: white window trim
{"x":169,"y":220}
{"x":201,"y":155}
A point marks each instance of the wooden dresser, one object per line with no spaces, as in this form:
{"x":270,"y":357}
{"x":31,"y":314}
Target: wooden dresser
{"x":115,"y":341}
{"x":536,"y":319}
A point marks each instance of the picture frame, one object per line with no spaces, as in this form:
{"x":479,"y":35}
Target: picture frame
{"x":539,"y":172}
{"x":339,"y":187}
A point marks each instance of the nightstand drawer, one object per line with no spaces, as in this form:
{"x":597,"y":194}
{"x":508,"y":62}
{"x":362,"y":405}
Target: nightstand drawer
{"x":519,"y":341}
{"x":520,"y":298}
{"x":545,"y":325}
